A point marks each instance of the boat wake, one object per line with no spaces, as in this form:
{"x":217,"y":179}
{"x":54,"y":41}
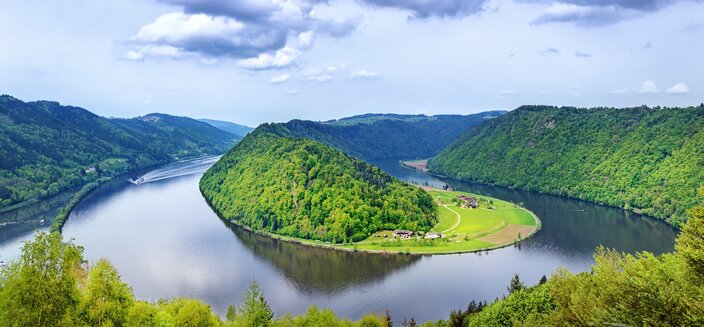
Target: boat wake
{"x":176,"y":169}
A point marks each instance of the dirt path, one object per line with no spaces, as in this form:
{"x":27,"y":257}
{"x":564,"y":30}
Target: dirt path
{"x":459,"y":219}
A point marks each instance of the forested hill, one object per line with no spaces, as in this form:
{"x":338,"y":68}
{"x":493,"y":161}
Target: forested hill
{"x":384,"y":136}
{"x":46,"y":147}
{"x":646,"y":159}
{"x":302,"y":188}
{"x":232,"y":128}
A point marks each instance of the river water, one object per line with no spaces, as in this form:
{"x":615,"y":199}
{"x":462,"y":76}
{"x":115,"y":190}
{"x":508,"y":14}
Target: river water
{"x":166,"y":241}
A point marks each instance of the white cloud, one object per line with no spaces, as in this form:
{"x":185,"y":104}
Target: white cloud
{"x":364,"y":74}
{"x":258,"y":33}
{"x":283,"y":78}
{"x":507,"y":92}
{"x":649,"y":87}
{"x":154,"y":51}
{"x":320,"y":78}
{"x":334,"y":69}
{"x":678,"y":88}
{"x":319,"y":75}
{"x":282,"y":58}
{"x":305,"y":39}
{"x":176,"y":27}
{"x":291,"y":92}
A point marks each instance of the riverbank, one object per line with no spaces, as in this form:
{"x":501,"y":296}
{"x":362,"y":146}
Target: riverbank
{"x":493,"y":224}
{"x":420,"y":165}
{"x":62,"y":215}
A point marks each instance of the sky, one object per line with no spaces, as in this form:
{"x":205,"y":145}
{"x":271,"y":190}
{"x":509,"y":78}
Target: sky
{"x":254,"y":61}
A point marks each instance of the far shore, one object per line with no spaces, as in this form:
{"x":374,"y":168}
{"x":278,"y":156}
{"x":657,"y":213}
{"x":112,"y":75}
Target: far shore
{"x":421,"y":165}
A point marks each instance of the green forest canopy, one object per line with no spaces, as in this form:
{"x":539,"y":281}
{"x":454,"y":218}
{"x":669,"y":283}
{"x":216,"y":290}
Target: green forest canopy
{"x":389,"y":136}
{"x":47,"y":148}
{"x":650,"y":160}
{"x":302,"y":188}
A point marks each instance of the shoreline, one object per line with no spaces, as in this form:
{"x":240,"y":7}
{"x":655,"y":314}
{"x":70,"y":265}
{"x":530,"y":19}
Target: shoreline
{"x":64,"y":212}
{"x":352,"y":248}
{"x":632,"y":210}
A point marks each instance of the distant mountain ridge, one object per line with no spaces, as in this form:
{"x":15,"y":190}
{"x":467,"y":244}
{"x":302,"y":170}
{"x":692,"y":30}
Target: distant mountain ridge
{"x":389,"y":136}
{"x":649,"y":160}
{"x":47,"y":148}
{"x":232,"y":128}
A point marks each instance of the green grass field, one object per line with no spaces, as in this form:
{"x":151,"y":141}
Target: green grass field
{"x":493,"y":223}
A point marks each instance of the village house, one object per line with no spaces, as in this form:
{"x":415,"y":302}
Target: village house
{"x":433,"y":235}
{"x":400,"y":233}
{"x":469,"y":202}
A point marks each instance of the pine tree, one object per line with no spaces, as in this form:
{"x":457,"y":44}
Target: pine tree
{"x":543,"y":280}
{"x":255,"y":311}
{"x":387,"y":318}
{"x":516,"y":284}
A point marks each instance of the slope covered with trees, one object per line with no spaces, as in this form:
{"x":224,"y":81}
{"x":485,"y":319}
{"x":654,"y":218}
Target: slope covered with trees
{"x":389,"y":136}
{"x":232,"y":128}
{"x":47,"y":148}
{"x":649,"y":160}
{"x":302,"y":188}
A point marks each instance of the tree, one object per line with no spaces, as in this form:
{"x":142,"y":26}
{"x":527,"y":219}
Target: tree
{"x":141,"y":314}
{"x":543,"y":280}
{"x":690,"y":243}
{"x":39,"y":288}
{"x":231,"y":313}
{"x":388,"y":322}
{"x":254,"y":311}
{"x":516,"y":284}
{"x":193,"y":313}
{"x":107,"y":299}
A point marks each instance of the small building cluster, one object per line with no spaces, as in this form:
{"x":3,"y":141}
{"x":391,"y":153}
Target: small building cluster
{"x":469,"y":202}
{"x":433,"y":235}
{"x":400,"y":233}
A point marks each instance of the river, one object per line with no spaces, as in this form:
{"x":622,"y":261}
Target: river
{"x":166,"y":242}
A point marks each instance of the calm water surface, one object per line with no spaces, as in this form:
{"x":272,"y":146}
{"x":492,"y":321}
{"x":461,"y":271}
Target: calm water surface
{"x":167,"y":242}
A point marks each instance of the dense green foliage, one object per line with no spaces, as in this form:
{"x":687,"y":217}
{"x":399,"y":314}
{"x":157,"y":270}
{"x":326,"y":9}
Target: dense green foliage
{"x":232,"y":128}
{"x":384,"y":136}
{"x":302,"y":188}
{"x":650,"y":160}
{"x":47,"y":148}
{"x":620,"y":290}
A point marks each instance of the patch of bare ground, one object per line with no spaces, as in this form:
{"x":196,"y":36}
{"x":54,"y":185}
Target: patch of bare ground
{"x":508,"y":234}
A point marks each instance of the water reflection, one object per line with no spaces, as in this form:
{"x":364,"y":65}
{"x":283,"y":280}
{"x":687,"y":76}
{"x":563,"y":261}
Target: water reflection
{"x":20,"y":224}
{"x":326,"y":271}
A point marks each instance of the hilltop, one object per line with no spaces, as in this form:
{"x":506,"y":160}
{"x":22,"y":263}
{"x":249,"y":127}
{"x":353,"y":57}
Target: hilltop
{"x":297,"y":187}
